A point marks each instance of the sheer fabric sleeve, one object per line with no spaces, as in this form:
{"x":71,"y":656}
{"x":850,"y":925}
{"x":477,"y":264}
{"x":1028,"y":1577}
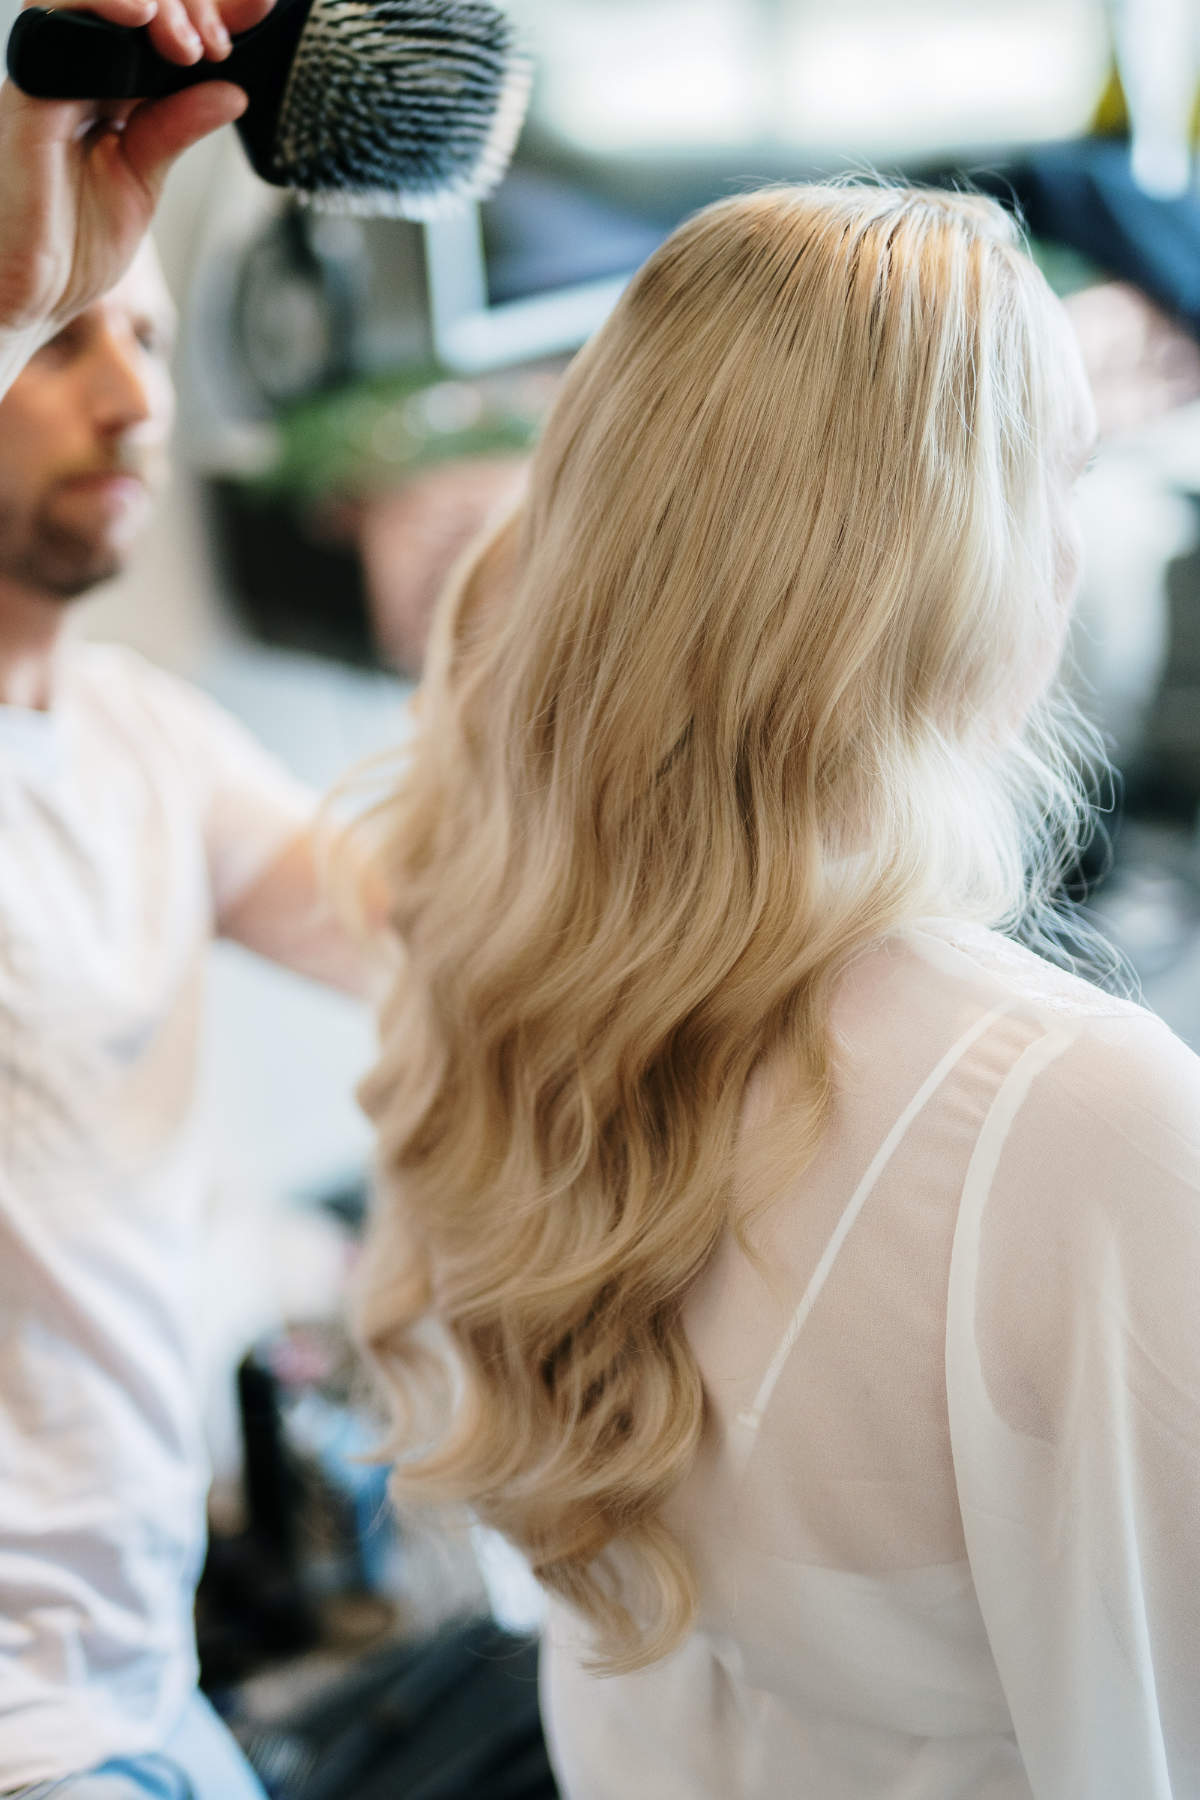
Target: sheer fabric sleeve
{"x":1073,"y":1376}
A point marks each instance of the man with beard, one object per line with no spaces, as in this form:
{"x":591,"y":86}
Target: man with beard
{"x":136,"y":821}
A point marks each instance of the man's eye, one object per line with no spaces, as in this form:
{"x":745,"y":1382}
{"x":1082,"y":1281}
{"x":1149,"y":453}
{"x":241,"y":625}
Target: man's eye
{"x":153,"y":341}
{"x":61,"y":346}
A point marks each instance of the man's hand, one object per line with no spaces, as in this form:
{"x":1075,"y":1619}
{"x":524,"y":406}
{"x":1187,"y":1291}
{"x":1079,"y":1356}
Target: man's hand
{"x":79,"y":180}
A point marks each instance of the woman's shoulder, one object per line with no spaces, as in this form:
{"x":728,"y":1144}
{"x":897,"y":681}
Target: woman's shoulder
{"x":1112,"y":1115}
{"x":1119,"y":1071}
{"x":1012,"y":971}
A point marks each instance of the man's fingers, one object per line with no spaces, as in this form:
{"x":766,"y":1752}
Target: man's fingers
{"x":173,"y":34}
{"x":183,"y":30}
{"x":180,"y":30}
{"x":118,"y":12}
{"x":212,"y":28}
{"x":240,"y":15}
{"x":159,"y":130}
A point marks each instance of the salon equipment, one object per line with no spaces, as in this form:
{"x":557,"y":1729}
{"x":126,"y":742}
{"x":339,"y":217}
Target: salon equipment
{"x":396,"y":107}
{"x":449,"y":1717}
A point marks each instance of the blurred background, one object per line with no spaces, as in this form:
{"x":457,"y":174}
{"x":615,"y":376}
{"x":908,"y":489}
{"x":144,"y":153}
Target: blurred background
{"x":356,"y":398}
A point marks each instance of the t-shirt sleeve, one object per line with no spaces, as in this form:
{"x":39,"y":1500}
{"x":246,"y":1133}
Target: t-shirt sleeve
{"x":250,"y":807}
{"x":1073,"y":1379}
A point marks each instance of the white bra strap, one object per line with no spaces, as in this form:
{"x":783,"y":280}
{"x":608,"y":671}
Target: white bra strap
{"x":751,"y":1418}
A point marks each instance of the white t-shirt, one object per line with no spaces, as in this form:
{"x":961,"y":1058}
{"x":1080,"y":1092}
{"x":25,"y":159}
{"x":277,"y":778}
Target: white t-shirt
{"x":946,"y":1519}
{"x":133,"y":815}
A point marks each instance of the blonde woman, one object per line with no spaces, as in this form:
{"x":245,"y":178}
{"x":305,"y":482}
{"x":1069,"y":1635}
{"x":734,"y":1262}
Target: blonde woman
{"x":802,"y":1274}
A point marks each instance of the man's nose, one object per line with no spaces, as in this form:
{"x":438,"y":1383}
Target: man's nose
{"x":118,"y":388}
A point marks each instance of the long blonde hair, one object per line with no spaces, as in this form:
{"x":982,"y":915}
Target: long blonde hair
{"x":749,"y":677}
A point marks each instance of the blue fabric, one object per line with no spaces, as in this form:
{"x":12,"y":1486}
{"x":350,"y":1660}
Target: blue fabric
{"x":1083,"y":194}
{"x":199,"y":1761}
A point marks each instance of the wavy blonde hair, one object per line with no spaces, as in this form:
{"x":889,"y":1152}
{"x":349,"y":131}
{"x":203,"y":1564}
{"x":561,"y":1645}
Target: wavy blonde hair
{"x":753,"y":674}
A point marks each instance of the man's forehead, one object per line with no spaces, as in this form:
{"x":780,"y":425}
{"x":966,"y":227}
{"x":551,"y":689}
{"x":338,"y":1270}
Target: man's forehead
{"x":142,"y":288}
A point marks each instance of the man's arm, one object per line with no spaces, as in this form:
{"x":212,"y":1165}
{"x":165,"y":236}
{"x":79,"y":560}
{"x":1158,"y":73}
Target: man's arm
{"x":264,"y":834}
{"x":287,"y":915}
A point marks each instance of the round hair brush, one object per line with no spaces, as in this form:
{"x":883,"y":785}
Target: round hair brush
{"x":401,"y":107}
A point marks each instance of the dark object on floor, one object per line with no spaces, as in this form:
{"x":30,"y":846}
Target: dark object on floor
{"x":453,"y":1717}
{"x":319,"y":1534}
{"x":316,"y":1491}
{"x":250,"y":1613}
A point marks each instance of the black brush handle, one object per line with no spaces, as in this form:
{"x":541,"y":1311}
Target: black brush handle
{"x":67,"y":55}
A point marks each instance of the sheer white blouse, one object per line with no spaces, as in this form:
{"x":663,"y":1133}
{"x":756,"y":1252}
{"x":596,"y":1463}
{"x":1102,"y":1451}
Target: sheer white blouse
{"x":946,"y":1520}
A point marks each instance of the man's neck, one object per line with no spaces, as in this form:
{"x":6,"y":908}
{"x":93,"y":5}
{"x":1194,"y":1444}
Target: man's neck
{"x":32,"y":632}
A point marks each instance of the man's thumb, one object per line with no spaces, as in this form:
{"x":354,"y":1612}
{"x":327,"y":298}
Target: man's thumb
{"x":160,"y":130}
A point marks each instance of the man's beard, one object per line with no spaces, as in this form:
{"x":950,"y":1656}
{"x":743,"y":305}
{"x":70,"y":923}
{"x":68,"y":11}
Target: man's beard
{"x":49,"y":554}
{"x":62,"y":564}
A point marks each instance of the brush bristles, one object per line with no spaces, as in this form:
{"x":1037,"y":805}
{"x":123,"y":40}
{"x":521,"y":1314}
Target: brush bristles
{"x":401,"y":108}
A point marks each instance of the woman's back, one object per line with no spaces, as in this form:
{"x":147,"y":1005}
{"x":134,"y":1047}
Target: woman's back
{"x":762,"y":669}
{"x":945,"y":1519}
